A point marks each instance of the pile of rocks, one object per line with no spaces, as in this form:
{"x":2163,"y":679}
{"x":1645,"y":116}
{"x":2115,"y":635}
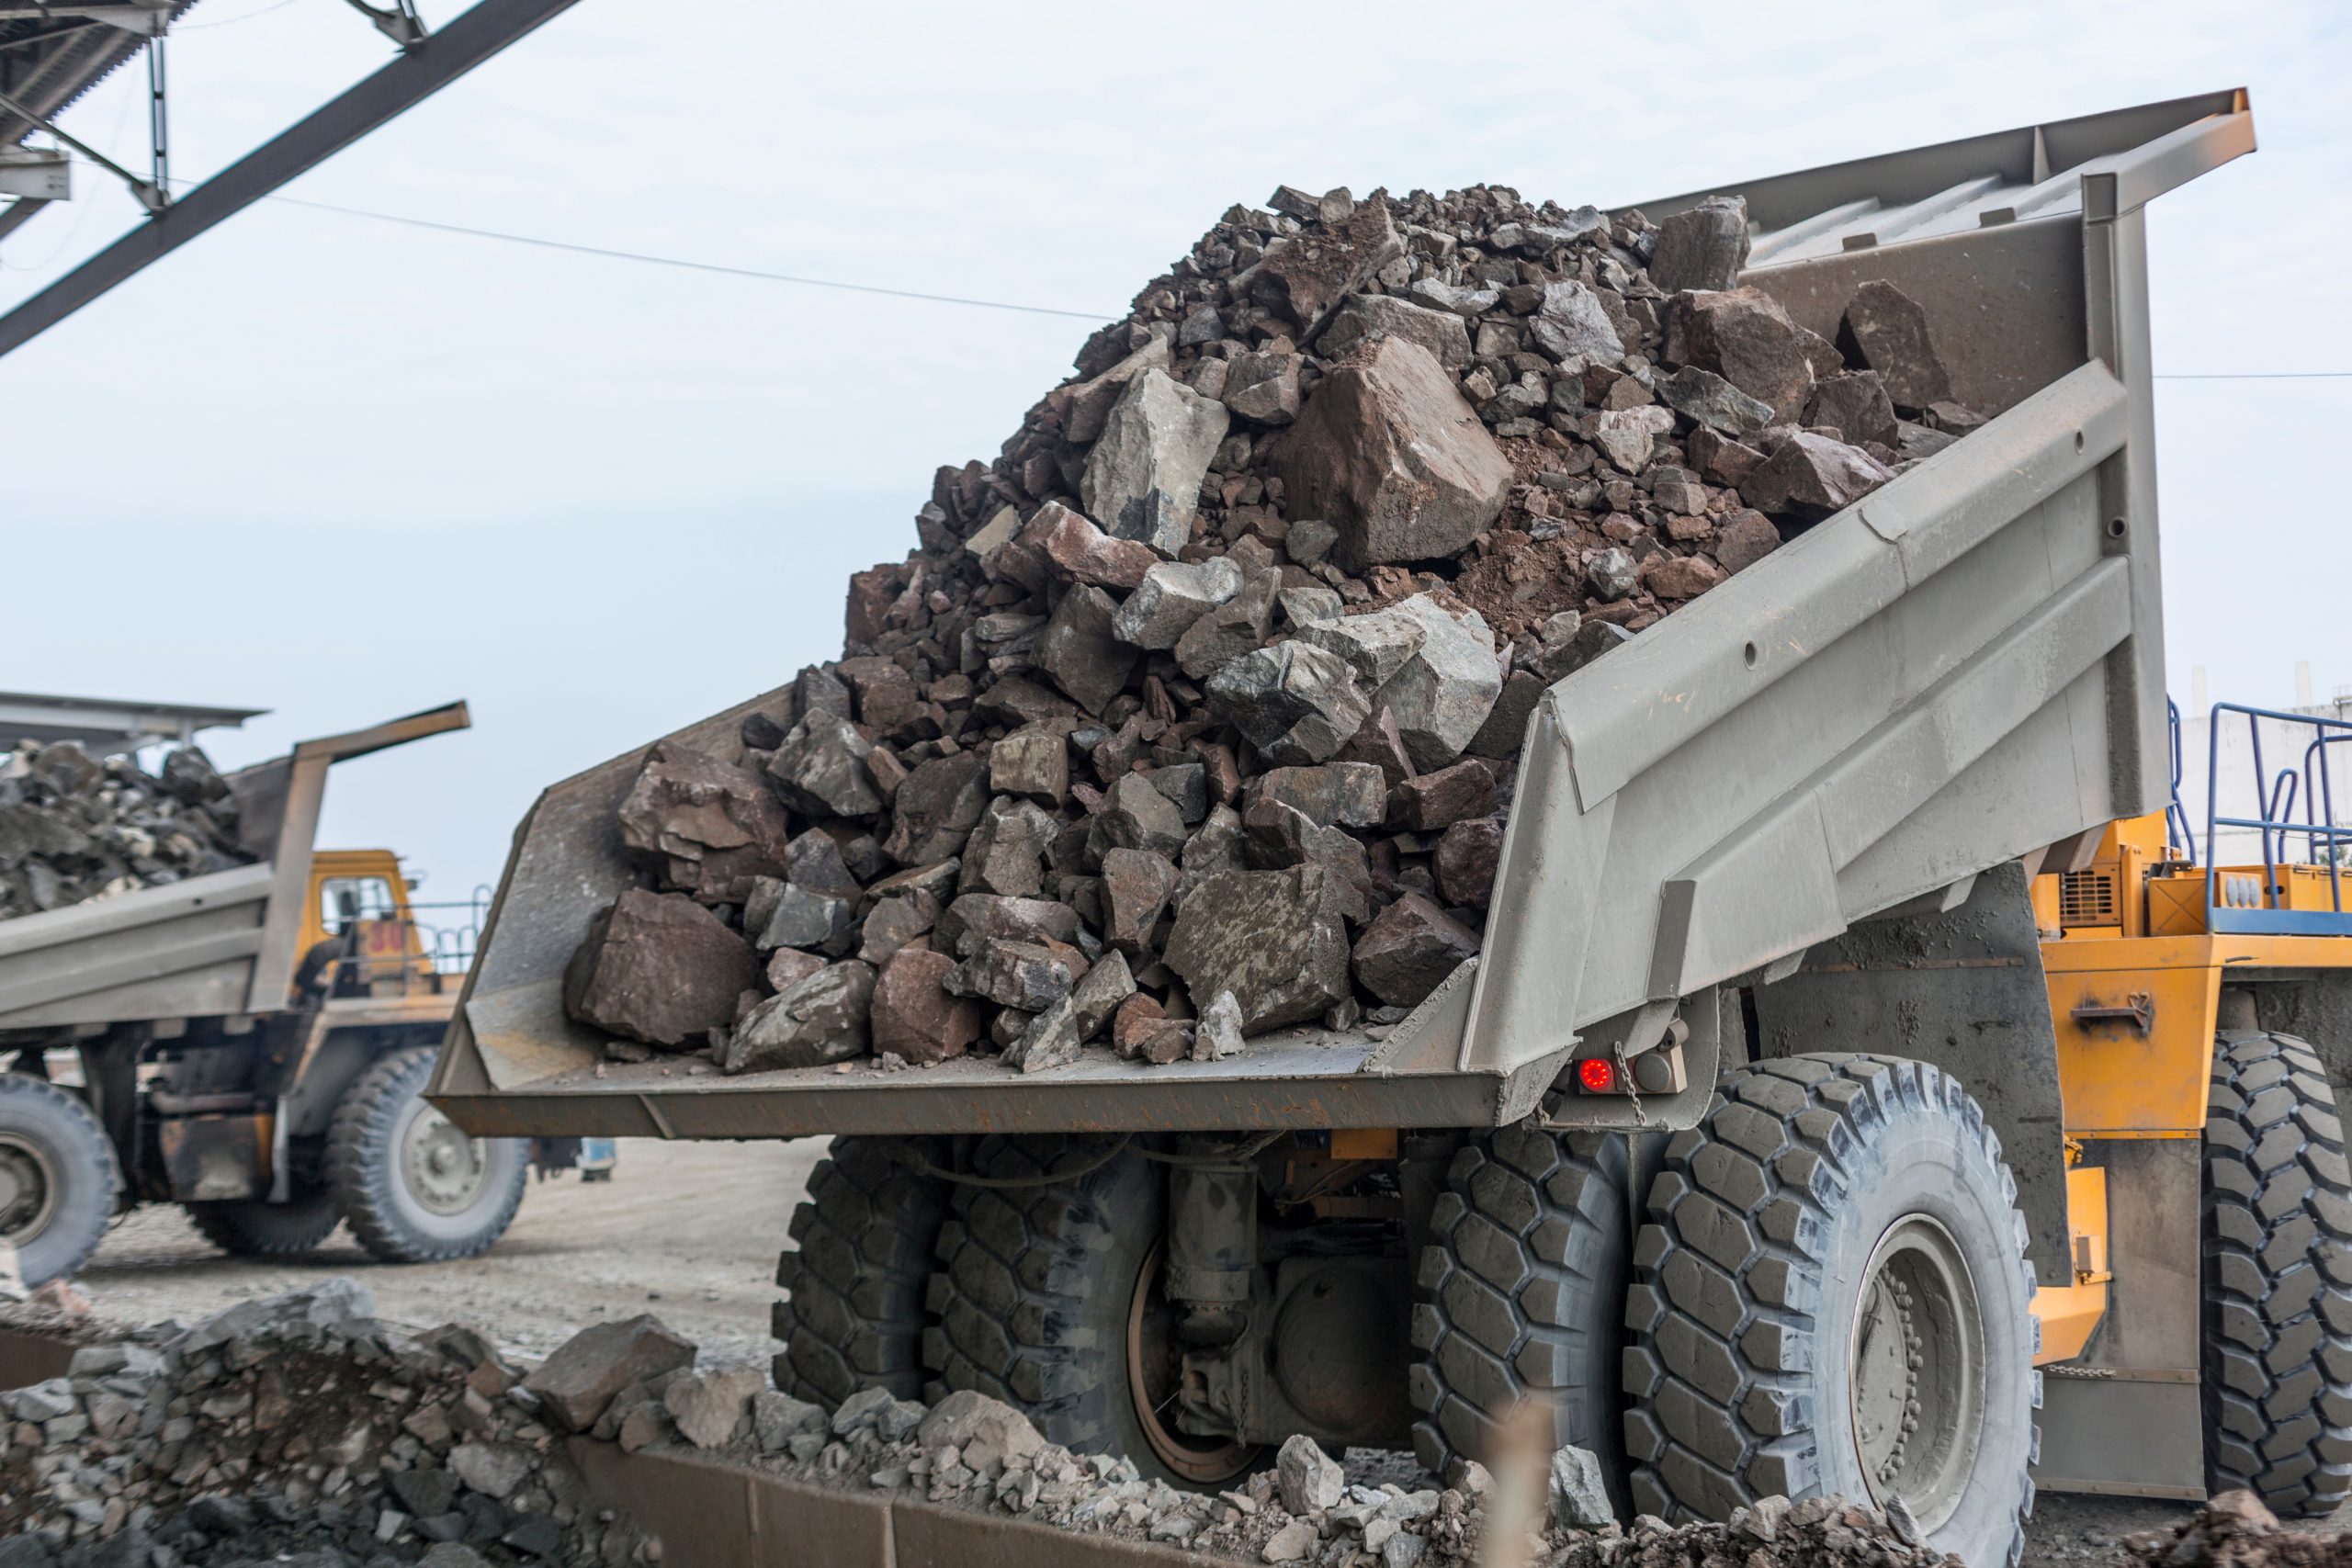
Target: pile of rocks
{"x":1197,"y":712}
{"x":2235,"y":1530}
{"x":75,"y":828}
{"x":298,"y":1423}
{"x":970,"y":1451}
{"x":300,"y":1429}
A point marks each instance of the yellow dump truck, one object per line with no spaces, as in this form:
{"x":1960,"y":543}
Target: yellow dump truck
{"x":1857,"y":1079}
{"x":251,"y":1044}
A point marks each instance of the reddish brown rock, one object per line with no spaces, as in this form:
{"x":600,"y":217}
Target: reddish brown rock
{"x":1886,"y":329}
{"x":1076,"y":551}
{"x":788,"y":964}
{"x":1388,"y":453}
{"x":1680,"y":576}
{"x":1336,"y":794}
{"x":1307,"y":277}
{"x":1746,"y":537}
{"x":1137,"y":885}
{"x":1135,"y":1021}
{"x":660,"y":968}
{"x":706,"y":825}
{"x":1466,"y":860}
{"x":914,"y":1013}
{"x":871,"y":594}
{"x":1438,"y":800}
{"x":1855,"y":404}
{"x":1743,"y":335}
{"x":1409,"y":947}
{"x":1271,"y":938}
{"x":1812,"y":476}
{"x":1723,"y":459}
{"x":936,"y":809}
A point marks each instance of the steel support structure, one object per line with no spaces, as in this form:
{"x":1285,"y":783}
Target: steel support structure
{"x":423,"y":68}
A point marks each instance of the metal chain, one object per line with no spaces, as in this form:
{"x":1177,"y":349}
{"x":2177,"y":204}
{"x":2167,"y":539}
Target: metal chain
{"x":1625,"y":1077}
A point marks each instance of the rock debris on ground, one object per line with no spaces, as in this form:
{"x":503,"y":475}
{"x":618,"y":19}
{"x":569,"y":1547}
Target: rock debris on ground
{"x":75,"y":828}
{"x":296,"y":1428}
{"x":300,"y":1428}
{"x":1196,"y":713}
{"x":2235,"y":1530}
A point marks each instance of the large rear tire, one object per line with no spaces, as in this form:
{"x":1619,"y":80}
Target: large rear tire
{"x":1832,"y":1297}
{"x":59,"y":1179}
{"x":414,"y":1188}
{"x":2277,"y":1277}
{"x":261,"y":1229}
{"x":1521,"y":1296}
{"x":1047,"y":1299}
{"x":855,"y":1316}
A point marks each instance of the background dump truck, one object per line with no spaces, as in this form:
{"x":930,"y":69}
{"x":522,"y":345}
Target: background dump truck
{"x":1856,"y":1082}
{"x":252,"y":1045}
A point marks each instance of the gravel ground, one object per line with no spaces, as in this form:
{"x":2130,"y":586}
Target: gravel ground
{"x":690,"y":1232}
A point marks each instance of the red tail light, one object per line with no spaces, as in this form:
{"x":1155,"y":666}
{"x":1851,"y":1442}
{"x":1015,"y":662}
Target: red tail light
{"x":1596,"y":1075}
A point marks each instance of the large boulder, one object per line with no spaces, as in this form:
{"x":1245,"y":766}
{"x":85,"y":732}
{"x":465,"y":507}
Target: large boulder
{"x":1306,"y":277}
{"x":1441,"y":332}
{"x":1083,"y":652}
{"x":1143,"y":478}
{"x":820,"y":768}
{"x":575,"y":1384}
{"x":1811,"y":476}
{"x":1272,"y":938}
{"x":1887,"y":330}
{"x":1702,"y":246}
{"x":811,"y":1024}
{"x":660,"y":968}
{"x":1408,"y":948}
{"x":1431,"y":666}
{"x":936,"y":809}
{"x":1295,"y":701}
{"x":1388,"y":452}
{"x":706,"y":825}
{"x":1744,"y":335}
{"x":914,"y":1014}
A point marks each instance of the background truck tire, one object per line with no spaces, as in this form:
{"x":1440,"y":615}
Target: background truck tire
{"x":268,"y":1230}
{"x":2277,"y":1277}
{"x":413,"y":1188}
{"x":59,"y":1180}
{"x":1521,"y":1296}
{"x":1805,"y":1271}
{"x":1035,"y":1294}
{"x":855,"y":1317}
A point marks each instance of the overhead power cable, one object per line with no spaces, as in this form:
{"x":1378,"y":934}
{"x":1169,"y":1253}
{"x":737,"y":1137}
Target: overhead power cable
{"x":690,"y":265}
{"x":723,"y":269}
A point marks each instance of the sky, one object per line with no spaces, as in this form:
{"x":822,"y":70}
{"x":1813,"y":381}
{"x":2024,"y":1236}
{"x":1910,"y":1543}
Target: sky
{"x":345,"y":469}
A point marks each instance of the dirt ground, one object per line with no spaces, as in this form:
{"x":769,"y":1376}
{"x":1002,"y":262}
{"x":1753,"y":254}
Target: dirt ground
{"x":689,"y":1231}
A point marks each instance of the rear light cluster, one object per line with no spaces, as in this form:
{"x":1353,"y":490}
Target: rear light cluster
{"x":1596,"y":1075}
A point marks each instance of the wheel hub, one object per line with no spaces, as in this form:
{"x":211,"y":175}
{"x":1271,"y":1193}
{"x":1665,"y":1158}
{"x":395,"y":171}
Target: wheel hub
{"x":1917,"y":1386}
{"x":28,"y":1190}
{"x":1154,"y":1377}
{"x":445,"y":1170}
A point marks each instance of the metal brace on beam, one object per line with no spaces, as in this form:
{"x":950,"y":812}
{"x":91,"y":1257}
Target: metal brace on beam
{"x":397,"y":21}
{"x":418,"y":72}
{"x":152,"y":197}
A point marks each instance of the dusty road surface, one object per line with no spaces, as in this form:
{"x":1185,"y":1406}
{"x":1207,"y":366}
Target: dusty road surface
{"x":686,"y":1230}
{"x":689,"y":1231}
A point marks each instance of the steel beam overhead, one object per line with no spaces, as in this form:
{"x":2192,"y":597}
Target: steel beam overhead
{"x":423,"y":69}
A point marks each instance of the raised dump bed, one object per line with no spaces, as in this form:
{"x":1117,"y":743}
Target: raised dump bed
{"x":1861,"y":748}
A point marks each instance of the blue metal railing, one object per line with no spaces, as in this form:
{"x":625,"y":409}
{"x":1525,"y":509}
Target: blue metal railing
{"x":2277,"y":825}
{"x":2175,"y":814}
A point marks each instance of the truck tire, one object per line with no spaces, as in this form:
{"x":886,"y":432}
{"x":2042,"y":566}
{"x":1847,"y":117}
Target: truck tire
{"x":59,"y":1179}
{"x":263,"y":1229}
{"x":1834,"y":1257}
{"x":1520,"y":1298}
{"x":2276,"y":1230}
{"x":1046,"y":1298}
{"x":855,"y":1317}
{"x":413,"y":1188}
